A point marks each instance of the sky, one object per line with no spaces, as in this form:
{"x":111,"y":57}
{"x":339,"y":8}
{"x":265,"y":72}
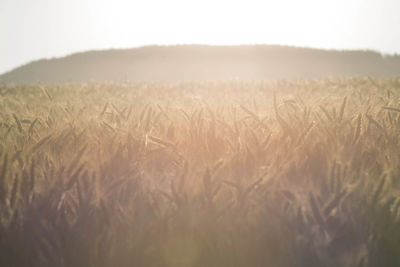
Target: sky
{"x":36,"y":29}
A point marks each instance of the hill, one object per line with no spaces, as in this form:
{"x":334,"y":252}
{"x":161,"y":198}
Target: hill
{"x":201,"y":62}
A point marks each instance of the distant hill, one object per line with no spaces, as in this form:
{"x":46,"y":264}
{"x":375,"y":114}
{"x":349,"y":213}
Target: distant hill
{"x":201,"y":62}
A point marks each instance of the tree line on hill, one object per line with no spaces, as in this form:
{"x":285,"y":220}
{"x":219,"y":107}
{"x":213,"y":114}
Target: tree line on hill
{"x":203,"y":62}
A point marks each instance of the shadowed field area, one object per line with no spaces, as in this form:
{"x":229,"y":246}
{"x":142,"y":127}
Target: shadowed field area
{"x":286,"y":173}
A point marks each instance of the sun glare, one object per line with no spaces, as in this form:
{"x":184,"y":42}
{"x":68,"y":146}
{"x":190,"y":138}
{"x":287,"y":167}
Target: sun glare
{"x":58,"y":28}
{"x":303,"y":23}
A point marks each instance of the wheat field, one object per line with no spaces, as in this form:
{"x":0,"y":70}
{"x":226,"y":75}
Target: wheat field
{"x":284,"y":173}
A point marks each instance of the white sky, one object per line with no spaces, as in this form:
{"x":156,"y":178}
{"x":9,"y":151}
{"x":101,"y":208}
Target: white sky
{"x":34,"y":29}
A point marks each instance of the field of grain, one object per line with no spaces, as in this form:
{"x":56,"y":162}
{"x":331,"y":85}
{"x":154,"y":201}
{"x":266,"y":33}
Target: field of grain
{"x":286,"y":173}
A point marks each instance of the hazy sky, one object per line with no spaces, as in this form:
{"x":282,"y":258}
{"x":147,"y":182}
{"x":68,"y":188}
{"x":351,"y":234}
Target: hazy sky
{"x":34,"y":29}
